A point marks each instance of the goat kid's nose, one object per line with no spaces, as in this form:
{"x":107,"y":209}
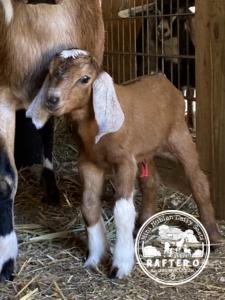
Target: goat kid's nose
{"x":52,"y":102}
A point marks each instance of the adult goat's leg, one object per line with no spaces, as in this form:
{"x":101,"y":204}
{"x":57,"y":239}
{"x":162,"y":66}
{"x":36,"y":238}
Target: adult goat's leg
{"x":124,"y":215}
{"x":8,"y":185}
{"x":48,"y":177}
{"x":182,"y":145}
{"x":93,"y":178}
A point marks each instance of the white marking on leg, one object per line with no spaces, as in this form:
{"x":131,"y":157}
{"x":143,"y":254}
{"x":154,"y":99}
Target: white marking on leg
{"x":8,"y":248}
{"x":96,"y":243}
{"x":48,"y":164}
{"x":123,"y":258}
{"x":7,"y":112}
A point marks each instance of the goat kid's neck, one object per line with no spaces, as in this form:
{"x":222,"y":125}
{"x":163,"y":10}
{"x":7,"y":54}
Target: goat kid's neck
{"x":85,"y":120}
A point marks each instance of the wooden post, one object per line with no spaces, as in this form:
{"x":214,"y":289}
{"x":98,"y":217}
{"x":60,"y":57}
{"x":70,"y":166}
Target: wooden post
{"x":210,"y":74}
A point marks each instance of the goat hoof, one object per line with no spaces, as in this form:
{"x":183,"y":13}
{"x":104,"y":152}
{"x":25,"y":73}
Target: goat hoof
{"x":136,"y":230}
{"x":48,"y":182}
{"x":7,"y":271}
{"x":214,"y":235}
{"x":113,"y":273}
{"x":91,"y":263}
{"x":121,"y":272}
{"x":216,"y":243}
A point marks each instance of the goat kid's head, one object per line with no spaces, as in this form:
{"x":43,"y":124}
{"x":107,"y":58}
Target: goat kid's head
{"x":70,"y":79}
{"x":73,"y":77}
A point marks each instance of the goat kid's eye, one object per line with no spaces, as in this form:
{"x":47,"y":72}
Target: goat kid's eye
{"x":85,"y":79}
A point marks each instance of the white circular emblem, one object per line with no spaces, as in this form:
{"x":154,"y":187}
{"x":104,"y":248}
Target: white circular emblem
{"x":172,"y":247}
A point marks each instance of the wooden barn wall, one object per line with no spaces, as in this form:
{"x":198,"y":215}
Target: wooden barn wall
{"x":210,"y":71}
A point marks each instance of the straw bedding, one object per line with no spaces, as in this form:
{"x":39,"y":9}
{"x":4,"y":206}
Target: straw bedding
{"x":52,"y":244}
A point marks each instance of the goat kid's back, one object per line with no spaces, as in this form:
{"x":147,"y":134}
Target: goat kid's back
{"x":152,"y":108}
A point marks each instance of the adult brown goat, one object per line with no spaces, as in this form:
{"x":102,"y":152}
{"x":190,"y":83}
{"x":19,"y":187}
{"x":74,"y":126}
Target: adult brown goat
{"x":118,"y":133}
{"x":30,"y":35}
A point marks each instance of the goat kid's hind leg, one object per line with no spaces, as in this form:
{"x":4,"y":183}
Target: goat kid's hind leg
{"x":8,"y":186}
{"x":182,"y":145}
{"x":93,"y":179}
{"x":148,"y":185}
{"x":48,"y":181}
{"x":124,"y":216}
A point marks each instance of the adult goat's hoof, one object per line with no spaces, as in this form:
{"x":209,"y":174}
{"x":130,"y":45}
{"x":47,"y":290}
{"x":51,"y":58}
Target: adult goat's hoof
{"x":7,"y":271}
{"x":48,"y":182}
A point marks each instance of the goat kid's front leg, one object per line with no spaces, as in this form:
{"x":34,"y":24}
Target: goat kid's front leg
{"x":124,"y":215}
{"x":8,"y":186}
{"x":93,"y":179}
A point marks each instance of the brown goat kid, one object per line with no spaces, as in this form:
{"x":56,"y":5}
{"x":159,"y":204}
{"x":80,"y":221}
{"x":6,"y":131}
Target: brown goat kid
{"x":118,"y":133}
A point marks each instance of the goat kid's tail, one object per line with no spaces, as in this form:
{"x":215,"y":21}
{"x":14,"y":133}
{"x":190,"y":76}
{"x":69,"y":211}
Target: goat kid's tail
{"x":8,"y":10}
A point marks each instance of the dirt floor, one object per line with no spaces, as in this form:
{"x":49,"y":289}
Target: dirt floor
{"x":52,"y":245}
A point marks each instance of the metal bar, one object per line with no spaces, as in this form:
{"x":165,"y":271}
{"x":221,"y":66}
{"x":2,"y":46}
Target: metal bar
{"x":162,"y":39}
{"x":123,"y":52}
{"x":112,"y":42}
{"x":156,"y":35}
{"x":178,"y":36}
{"x":171,"y":29}
{"x":151,"y":55}
{"x":143,"y":41}
{"x":118,"y":47}
{"x":152,"y":16}
{"x":135,"y":44}
{"x":148,"y":42}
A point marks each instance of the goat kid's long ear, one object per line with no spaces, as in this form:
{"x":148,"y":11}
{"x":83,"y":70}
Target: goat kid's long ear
{"x":36,"y":110}
{"x":108,"y":112}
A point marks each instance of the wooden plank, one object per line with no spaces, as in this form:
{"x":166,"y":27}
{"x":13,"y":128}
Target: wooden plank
{"x":210,"y":71}
{"x":218,"y":109}
{"x":203,"y":84}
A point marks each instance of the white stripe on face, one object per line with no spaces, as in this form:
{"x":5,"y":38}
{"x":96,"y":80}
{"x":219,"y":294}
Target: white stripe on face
{"x":8,"y":248}
{"x":123,"y":258}
{"x":74,"y":53}
{"x":96,"y":244}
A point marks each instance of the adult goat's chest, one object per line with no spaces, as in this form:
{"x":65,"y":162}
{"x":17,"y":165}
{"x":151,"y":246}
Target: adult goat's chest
{"x":28,"y":52}
{"x":36,"y":34}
